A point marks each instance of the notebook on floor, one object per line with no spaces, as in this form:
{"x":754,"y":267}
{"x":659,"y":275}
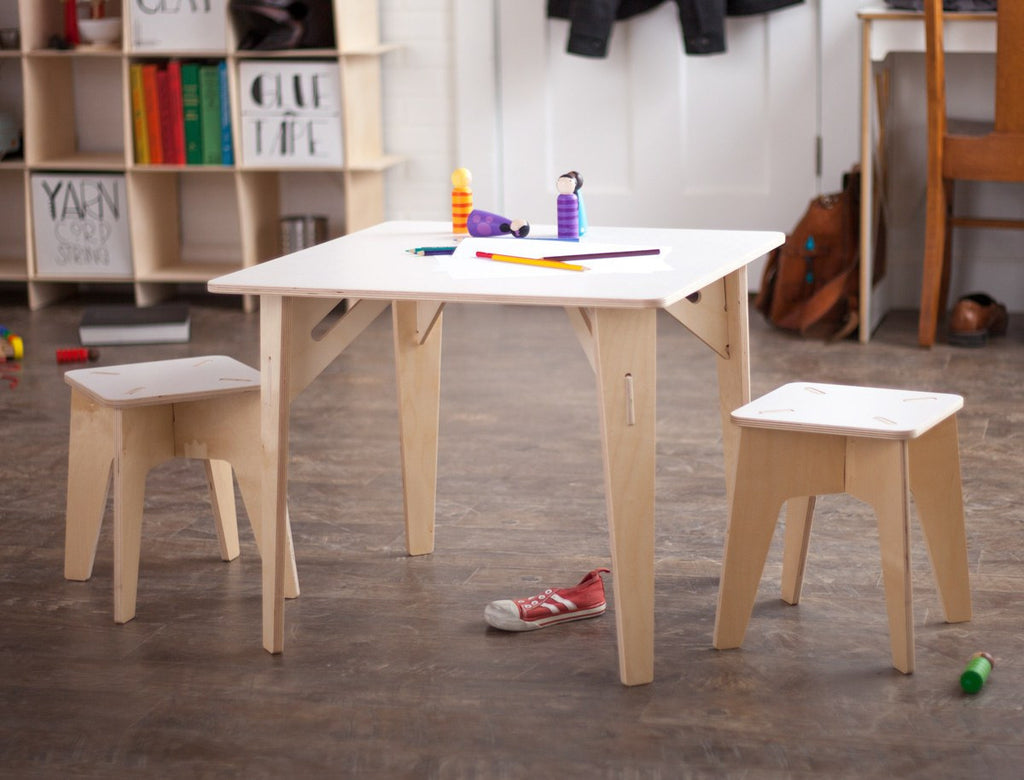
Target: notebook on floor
{"x":126,"y":324}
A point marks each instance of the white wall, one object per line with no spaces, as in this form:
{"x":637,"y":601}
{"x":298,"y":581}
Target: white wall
{"x":419,"y":101}
{"x":422,"y":121}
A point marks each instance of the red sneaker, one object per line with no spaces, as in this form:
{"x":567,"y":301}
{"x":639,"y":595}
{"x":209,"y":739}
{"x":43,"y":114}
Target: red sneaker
{"x":558,"y":605}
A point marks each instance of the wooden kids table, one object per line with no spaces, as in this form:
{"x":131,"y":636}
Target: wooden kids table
{"x":702,"y":284}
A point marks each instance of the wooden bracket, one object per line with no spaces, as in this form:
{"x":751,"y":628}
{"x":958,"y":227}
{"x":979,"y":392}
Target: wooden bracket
{"x":427,"y":313}
{"x":582,"y":321}
{"x":700,"y":314}
{"x":319,"y":335}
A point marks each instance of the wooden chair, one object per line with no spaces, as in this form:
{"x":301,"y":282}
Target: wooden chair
{"x":130,"y":418}
{"x":804,"y":440}
{"x":995,"y":156}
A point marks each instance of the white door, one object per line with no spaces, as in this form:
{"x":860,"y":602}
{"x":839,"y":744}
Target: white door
{"x":661,"y":138}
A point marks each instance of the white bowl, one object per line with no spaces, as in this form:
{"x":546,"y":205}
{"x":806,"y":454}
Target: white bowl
{"x":106,"y":30}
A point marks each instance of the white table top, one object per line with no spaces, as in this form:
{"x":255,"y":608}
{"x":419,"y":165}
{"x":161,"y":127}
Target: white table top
{"x":374,"y":264}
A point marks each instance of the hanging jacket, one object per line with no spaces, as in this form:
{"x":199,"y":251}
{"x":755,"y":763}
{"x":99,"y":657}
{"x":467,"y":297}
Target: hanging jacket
{"x":702,"y":21}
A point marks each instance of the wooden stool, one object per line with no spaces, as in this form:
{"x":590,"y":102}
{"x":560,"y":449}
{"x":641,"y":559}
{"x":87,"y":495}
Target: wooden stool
{"x":804,"y":440}
{"x":139,"y":415}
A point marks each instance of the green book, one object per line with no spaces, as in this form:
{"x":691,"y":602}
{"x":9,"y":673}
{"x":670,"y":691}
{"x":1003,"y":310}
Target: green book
{"x":209,"y":113}
{"x":190,"y":109}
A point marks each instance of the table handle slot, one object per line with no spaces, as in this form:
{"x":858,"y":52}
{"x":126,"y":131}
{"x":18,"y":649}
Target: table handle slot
{"x":630,"y":401}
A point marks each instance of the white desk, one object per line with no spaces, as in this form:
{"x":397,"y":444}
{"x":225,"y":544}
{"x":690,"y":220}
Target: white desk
{"x":614,"y":316}
{"x":883,"y":31}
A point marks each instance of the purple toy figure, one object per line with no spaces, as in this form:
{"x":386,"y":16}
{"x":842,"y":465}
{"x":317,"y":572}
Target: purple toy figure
{"x":484,"y":224}
{"x":568,"y":208}
{"x":579,"y":199}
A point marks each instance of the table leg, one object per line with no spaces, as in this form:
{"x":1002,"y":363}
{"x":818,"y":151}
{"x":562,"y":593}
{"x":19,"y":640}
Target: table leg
{"x":625,"y":343}
{"x":275,"y":396}
{"x":418,"y":369}
{"x":734,"y":371}
{"x":867,"y":184}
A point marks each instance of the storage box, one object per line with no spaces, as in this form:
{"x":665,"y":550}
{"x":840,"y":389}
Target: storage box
{"x":180,"y":25}
{"x":291,"y":113}
{"x":80,"y":225}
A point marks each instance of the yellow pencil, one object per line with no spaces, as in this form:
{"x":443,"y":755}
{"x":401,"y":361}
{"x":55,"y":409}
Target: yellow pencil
{"x":532,"y":261}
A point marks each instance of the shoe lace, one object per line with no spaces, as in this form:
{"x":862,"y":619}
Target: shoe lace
{"x":534,"y":601}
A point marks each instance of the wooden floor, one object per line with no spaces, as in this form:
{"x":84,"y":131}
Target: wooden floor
{"x":389,"y":670}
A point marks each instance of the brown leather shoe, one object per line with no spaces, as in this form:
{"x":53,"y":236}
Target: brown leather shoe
{"x":976,"y":317}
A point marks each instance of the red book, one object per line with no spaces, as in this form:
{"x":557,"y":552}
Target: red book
{"x":152,"y":95}
{"x":163,"y":91}
{"x":177,"y":113}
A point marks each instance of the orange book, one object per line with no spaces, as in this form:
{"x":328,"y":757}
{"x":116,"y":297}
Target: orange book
{"x":152,"y":95}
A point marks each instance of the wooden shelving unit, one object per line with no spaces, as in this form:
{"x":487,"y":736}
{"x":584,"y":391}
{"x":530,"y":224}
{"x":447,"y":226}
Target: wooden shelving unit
{"x":187,"y":223}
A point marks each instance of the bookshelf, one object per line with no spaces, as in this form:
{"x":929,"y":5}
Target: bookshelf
{"x":187,"y":222}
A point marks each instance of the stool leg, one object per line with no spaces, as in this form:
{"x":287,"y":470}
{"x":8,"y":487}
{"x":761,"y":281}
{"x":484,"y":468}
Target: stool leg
{"x":222,"y":499}
{"x":938,"y":494}
{"x":224,"y":432}
{"x":144,"y":437}
{"x":772,"y":466}
{"x":752,"y":519}
{"x":877,"y":472}
{"x":249,"y":485}
{"x":799,"y":514}
{"x":90,"y":455}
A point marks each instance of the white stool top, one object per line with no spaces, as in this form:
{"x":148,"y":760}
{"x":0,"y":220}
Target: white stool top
{"x":848,"y":411}
{"x":164,"y":381}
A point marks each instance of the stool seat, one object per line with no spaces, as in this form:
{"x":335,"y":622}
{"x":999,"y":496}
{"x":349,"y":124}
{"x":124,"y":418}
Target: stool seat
{"x":125,"y":420}
{"x":871,"y":412}
{"x":164,"y":381}
{"x":879,"y":445}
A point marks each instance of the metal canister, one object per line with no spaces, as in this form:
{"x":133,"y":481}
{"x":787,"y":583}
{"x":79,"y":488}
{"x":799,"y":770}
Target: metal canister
{"x":299,"y":231}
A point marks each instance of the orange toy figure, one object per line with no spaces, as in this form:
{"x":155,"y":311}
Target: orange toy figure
{"x":462,"y":199}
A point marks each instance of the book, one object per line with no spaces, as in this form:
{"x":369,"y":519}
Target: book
{"x":163,"y":92}
{"x":209,"y":113}
{"x":227,"y":149}
{"x":114,"y":324}
{"x":181,"y":25}
{"x":190,"y":113}
{"x":176,"y":110}
{"x":139,"y":126}
{"x":152,"y":99}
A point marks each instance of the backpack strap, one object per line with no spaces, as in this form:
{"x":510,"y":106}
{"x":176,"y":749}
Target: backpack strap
{"x":825,"y":299}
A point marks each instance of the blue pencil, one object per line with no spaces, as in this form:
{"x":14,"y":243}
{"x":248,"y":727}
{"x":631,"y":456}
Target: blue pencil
{"x":432,"y":250}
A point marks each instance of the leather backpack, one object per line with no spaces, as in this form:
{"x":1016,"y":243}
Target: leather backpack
{"x":811,"y":283}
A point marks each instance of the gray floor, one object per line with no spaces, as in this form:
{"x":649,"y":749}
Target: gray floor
{"x":389,"y":670}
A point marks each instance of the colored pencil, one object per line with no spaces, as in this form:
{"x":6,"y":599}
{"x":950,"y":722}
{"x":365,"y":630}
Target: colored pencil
{"x":541,"y":262}
{"x":597,"y":255}
{"x":432,"y":250}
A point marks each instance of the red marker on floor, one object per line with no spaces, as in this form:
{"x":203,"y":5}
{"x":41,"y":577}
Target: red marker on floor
{"x":78,"y":355}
